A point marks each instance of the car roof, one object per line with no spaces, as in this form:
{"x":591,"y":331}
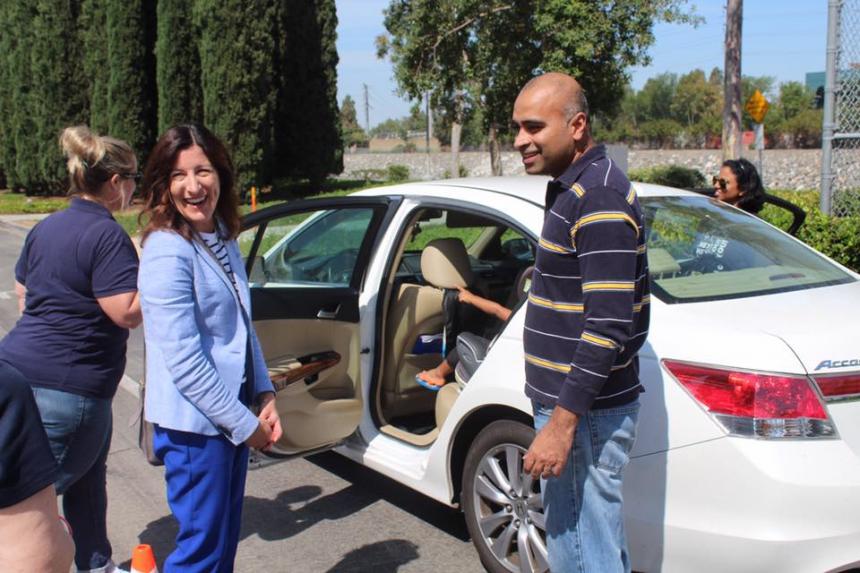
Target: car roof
{"x":525,"y":187}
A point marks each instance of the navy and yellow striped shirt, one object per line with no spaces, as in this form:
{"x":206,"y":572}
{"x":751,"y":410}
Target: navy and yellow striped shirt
{"x":588,"y":308}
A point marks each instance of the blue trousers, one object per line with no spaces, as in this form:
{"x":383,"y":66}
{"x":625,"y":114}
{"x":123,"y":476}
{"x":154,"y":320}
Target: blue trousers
{"x":583,"y":506}
{"x":79,"y":432}
{"x":205,"y":478}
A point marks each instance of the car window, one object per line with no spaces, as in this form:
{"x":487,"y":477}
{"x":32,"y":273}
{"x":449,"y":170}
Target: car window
{"x":436,"y":227}
{"x":700,"y":249}
{"x":311,"y":249}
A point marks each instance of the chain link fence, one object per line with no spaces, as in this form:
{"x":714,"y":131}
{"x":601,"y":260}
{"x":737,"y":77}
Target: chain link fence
{"x":840,"y":169}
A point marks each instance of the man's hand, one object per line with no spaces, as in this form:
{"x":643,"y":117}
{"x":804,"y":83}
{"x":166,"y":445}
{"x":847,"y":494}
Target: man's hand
{"x":549,"y":451}
{"x":269,"y":416}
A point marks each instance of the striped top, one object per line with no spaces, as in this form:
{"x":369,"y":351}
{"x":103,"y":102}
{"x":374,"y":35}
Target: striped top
{"x":588,"y":308}
{"x":219,"y":249}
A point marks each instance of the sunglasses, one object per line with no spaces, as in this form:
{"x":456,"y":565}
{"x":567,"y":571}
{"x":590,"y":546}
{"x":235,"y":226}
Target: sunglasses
{"x":136,"y":176}
{"x":720,"y":181}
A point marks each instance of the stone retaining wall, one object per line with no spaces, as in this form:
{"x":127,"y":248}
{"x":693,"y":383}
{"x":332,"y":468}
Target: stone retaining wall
{"x":783,"y":168}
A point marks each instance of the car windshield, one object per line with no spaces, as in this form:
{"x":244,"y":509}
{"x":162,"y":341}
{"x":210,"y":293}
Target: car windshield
{"x":700,"y":249}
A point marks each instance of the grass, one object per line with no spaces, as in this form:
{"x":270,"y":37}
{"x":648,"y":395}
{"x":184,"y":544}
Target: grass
{"x":19,"y":204}
{"x":283,"y":190}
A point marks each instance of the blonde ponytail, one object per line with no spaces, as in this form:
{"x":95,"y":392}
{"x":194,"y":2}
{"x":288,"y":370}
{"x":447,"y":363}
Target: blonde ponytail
{"x":92,"y":159}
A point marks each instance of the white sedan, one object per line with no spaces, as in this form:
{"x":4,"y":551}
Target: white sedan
{"x":748,"y":451}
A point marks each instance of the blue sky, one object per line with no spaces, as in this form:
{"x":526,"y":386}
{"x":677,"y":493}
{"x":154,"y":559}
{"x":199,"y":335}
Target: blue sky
{"x":781,"y":38}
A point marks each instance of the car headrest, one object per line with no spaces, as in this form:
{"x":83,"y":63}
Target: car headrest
{"x":445,"y":264}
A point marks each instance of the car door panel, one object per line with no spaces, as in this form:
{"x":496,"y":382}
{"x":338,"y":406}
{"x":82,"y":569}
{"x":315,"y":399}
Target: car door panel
{"x":302,"y":308}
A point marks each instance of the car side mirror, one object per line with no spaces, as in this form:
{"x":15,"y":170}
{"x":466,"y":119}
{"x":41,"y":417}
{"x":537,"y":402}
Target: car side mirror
{"x":517,"y":248}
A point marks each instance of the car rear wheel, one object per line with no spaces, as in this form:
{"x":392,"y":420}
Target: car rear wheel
{"x":502,"y":503}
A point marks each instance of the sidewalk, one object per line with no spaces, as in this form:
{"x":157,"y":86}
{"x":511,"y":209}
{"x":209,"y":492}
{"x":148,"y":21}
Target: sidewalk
{"x":24,"y":221}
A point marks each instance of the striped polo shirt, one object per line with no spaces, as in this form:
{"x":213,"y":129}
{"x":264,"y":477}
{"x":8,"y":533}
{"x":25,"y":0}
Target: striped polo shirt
{"x":588,"y":308}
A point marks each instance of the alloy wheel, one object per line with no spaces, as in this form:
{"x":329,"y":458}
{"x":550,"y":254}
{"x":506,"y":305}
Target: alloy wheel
{"x":509,"y":510}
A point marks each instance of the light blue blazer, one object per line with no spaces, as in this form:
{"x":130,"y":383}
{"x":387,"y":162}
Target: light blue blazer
{"x":196,"y":339}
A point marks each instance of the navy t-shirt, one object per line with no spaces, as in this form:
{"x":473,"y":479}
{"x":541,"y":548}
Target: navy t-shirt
{"x":27,"y":465}
{"x":64,"y":340}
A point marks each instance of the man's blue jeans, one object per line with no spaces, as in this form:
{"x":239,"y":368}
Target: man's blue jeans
{"x":79,"y":432}
{"x":582,"y":507}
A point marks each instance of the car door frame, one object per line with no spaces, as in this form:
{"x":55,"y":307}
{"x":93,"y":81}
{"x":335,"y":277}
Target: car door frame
{"x":385,"y":208}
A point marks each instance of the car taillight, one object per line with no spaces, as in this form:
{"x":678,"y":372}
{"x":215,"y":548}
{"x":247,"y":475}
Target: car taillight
{"x":756,"y":404}
{"x":839,"y":387}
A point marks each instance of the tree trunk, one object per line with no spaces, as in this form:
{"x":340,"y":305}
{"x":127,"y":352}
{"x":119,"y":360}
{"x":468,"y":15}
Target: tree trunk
{"x":456,"y":129}
{"x":495,"y":152}
{"x":732,"y":81}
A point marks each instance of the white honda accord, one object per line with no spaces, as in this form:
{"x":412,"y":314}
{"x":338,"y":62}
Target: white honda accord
{"x":748,"y":450}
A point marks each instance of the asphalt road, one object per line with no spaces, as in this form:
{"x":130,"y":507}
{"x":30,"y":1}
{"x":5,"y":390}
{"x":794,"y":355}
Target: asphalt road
{"x":323,"y":513}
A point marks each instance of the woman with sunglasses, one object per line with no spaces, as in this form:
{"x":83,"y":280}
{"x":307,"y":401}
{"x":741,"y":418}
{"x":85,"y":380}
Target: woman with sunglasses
{"x":76,"y":281}
{"x":739,"y":184}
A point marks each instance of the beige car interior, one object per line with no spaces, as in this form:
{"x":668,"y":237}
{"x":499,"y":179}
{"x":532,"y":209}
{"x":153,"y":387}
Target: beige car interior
{"x":319,"y":408}
{"x":315,"y":363}
{"x":414,"y":310}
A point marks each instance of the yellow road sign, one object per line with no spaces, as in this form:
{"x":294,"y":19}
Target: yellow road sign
{"x":757,"y":106}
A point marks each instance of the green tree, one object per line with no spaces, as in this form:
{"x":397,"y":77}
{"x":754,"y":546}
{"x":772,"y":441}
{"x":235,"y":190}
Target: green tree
{"x":353,"y":134}
{"x":237,"y":61}
{"x":308,"y":138}
{"x":58,"y":96}
{"x":391,"y":128}
{"x":21,"y":168}
{"x":131,"y":95}
{"x":96,"y":67}
{"x":7,"y":147}
{"x":180,"y":99}
{"x":698,"y":104}
{"x":794,"y":98}
{"x":654,"y":100}
{"x":490,"y":49}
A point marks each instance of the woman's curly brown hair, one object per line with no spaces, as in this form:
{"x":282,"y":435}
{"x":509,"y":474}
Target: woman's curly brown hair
{"x":159,"y":210}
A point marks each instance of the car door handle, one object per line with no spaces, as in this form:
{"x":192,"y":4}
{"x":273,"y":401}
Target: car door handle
{"x":328,"y":314}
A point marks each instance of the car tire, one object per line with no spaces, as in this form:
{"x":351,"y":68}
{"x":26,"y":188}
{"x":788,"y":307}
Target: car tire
{"x":502,"y":504}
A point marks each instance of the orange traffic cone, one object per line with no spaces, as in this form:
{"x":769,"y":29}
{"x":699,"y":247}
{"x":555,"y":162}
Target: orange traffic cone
{"x":142,"y":560}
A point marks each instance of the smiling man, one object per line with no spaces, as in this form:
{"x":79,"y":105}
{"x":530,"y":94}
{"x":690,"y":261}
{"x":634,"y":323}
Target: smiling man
{"x":586,"y":320}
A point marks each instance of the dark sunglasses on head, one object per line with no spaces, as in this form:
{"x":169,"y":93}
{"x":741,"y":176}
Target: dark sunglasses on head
{"x":136,"y":176}
{"x":720,"y":181}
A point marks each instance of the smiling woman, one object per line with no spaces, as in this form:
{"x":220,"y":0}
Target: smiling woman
{"x":204,"y":365}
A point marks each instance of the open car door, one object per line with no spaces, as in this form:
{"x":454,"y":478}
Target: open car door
{"x":306,"y":263}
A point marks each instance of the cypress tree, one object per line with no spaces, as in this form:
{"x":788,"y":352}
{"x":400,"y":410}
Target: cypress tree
{"x":131,"y":81}
{"x":58,"y":94}
{"x":23,"y":170}
{"x":92,"y":25}
{"x":177,"y":66}
{"x":307,"y":103}
{"x":237,"y":56}
{"x":7,"y":149}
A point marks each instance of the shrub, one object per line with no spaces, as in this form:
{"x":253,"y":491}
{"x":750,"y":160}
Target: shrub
{"x":462,"y":172}
{"x":836,"y":237}
{"x":670,"y":175}
{"x":397,"y":173}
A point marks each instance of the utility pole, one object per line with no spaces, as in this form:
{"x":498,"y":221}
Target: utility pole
{"x":429,"y":124}
{"x":732,"y":82}
{"x":834,"y":15}
{"x":366,"y":111}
